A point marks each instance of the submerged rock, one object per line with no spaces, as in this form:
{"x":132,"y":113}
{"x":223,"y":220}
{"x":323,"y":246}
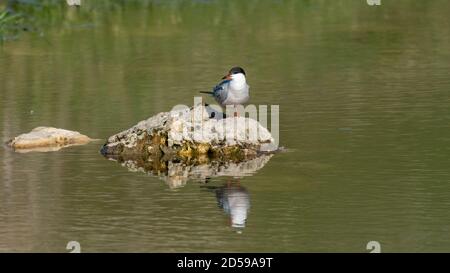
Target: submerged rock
{"x":46,"y":139}
{"x":191,"y":133}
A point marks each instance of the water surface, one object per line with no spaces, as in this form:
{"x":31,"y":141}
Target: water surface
{"x":364,"y":116}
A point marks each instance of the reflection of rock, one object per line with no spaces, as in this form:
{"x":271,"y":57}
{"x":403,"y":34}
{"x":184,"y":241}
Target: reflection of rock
{"x":177,"y":173}
{"x":191,"y":133}
{"x":235,"y":201}
{"x":45,"y":139}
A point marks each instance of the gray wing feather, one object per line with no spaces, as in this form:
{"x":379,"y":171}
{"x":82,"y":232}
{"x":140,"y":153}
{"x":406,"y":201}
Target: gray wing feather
{"x":220,"y":91}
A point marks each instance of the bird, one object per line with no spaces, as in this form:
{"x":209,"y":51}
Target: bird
{"x":232,"y":90}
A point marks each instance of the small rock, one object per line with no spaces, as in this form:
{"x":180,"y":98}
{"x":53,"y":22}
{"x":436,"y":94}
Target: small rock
{"x":47,"y":139}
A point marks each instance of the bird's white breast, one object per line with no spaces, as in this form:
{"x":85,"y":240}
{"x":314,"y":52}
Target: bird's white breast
{"x":237,"y":96}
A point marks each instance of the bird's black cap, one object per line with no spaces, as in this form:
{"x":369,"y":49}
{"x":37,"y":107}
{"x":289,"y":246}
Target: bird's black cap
{"x":236,"y":70}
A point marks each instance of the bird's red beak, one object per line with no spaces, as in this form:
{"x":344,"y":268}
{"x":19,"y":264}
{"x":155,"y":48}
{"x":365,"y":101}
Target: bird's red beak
{"x":227,"y":77}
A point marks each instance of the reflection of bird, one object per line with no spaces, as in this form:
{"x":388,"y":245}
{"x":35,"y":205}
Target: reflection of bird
{"x":235,"y":201}
{"x":233,"y":90}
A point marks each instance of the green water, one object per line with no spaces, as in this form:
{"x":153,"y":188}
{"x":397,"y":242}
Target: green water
{"x":364,"y":117}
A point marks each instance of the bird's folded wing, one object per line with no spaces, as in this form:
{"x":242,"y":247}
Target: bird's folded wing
{"x":220,"y":91}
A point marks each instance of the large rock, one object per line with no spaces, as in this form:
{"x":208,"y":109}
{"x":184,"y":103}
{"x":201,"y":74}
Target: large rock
{"x":47,"y":139}
{"x":191,"y":133}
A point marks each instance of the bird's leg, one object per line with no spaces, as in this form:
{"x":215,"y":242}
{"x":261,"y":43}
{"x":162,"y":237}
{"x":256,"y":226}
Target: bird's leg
{"x":236,"y":114}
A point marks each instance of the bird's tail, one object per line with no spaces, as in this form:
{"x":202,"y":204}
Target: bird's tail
{"x":207,"y":92}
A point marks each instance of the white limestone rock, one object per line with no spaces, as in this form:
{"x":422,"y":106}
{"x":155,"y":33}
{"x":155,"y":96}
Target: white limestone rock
{"x":47,"y":139}
{"x":190,"y":132}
